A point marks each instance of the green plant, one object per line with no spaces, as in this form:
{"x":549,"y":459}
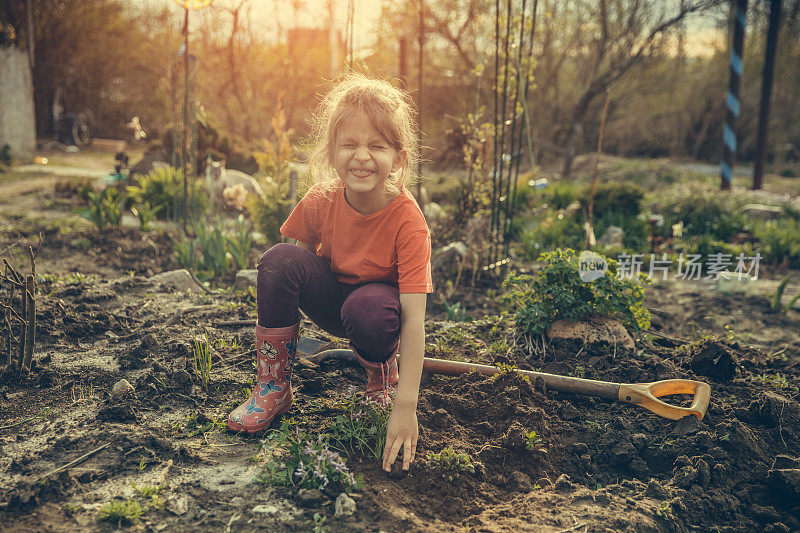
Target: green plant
{"x":664,"y":511}
{"x":162,"y":189}
{"x":532,"y":441}
{"x":703,"y":212}
{"x":145,"y":213}
{"x":614,"y":197}
{"x":122,"y":512}
{"x":240,"y":242}
{"x":201,"y":350}
{"x":105,"y":207}
{"x":775,"y":305}
{"x":270,"y":212}
{"x":361,"y":428}
{"x":551,"y":231}
{"x":319,"y":523}
{"x":557,"y":292}
{"x":450,"y":462}
{"x":455,"y":313}
{"x":779,"y":241}
{"x":560,"y":194}
{"x":301,"y":461}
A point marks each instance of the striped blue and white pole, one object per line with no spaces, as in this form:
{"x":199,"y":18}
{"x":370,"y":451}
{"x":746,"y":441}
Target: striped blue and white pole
{"x":732,"y":98}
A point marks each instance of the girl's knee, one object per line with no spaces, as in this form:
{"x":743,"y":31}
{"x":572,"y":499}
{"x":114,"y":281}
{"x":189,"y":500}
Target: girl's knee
{"x":279,"y":260}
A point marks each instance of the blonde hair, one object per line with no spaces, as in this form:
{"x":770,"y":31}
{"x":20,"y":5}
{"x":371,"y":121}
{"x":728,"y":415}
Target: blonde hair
{"x":392,"y":113}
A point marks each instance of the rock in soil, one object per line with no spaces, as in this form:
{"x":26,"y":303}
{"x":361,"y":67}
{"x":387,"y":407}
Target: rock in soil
{"x":345,"y":506}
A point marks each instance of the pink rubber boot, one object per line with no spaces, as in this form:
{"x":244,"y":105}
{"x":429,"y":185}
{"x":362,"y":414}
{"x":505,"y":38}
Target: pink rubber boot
{"x":272,"y":394}
{"x":382,"y":379}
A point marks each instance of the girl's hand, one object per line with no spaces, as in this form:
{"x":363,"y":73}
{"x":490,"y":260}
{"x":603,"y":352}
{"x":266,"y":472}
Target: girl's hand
{"x":401,"y":430}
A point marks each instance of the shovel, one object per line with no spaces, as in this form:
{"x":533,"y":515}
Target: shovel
{"x":643,"y":394}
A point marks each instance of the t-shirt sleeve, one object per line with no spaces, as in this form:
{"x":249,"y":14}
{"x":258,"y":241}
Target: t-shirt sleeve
{"x":414,"y":263}
{"x":302,"y":223}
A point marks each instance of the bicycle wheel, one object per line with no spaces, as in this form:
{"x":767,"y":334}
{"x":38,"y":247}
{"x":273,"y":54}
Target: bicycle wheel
{"x":82,"y":129}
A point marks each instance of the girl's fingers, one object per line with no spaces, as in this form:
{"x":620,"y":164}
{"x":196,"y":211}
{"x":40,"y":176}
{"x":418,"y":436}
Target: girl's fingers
{"x":407,"y":454}
{"x":387,"y":465}
{"x":413,"y":447}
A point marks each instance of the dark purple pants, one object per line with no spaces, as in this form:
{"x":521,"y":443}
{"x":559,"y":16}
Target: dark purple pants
{"x":291,"y":278}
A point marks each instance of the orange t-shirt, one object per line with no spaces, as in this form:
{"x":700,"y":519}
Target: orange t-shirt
{"x":391,"y":245}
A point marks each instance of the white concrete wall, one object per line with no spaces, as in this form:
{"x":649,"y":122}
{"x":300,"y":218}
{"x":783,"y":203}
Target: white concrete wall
{"x":17,"y":119}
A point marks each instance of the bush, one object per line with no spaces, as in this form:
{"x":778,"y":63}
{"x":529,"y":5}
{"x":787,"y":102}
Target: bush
{"x":162,"y":190}
{"x":703,"y":212}
{"x":209,"y":253}
{"x":105,"y":207}
{"x":779,"y":241}
{"x":557,"y":292}
{"x":636,"y":230}
{"x":614,"y":197}
{"x":551,"y":232}
{"x":559,"y":194}
{"x":268,"y":214}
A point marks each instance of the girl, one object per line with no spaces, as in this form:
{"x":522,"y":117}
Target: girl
{"x":361,"y":267}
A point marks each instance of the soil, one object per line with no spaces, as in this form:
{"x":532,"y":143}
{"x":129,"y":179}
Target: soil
{"x":596,"y":466}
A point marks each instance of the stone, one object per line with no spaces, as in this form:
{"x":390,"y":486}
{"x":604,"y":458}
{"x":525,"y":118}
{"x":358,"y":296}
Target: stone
{"x":245,"y":279}
{"x":601,"y":330}
{"x":344,"y":505}
{"x":614,"y":235}
{"x":121,"y":389}
{"x":179,"y":280}
{"x":178,"y":505}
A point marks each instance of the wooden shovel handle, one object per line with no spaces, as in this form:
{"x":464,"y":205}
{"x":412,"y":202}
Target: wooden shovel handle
{"x":646,"y":395}
{"x":643,"y":394}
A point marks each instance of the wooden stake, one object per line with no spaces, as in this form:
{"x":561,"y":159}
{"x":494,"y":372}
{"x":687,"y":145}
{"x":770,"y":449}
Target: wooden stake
{"x":30,"y":332}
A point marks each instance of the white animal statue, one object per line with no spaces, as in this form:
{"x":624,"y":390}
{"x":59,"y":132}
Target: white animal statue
{"x":219,"y":180}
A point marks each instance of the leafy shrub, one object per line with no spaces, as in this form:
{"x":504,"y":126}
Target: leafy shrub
{"x":269,"y":213}
{"x":305,"y":462}
{"x":551,"y":232}
{"x":614,"y":197}
{"x":559,"y":194}
{"x":557,"y":292}
{"x":704,"y":212}
{"x":105,"y":207}
{"x":162,"y":190}
{"x":636,"y":230}
{"x":209,"y":253}
{"x":779,"y":241}
{"x":450,"y":462}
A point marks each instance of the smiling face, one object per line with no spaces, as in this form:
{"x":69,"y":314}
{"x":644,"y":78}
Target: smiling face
{"x":364,"y":160}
